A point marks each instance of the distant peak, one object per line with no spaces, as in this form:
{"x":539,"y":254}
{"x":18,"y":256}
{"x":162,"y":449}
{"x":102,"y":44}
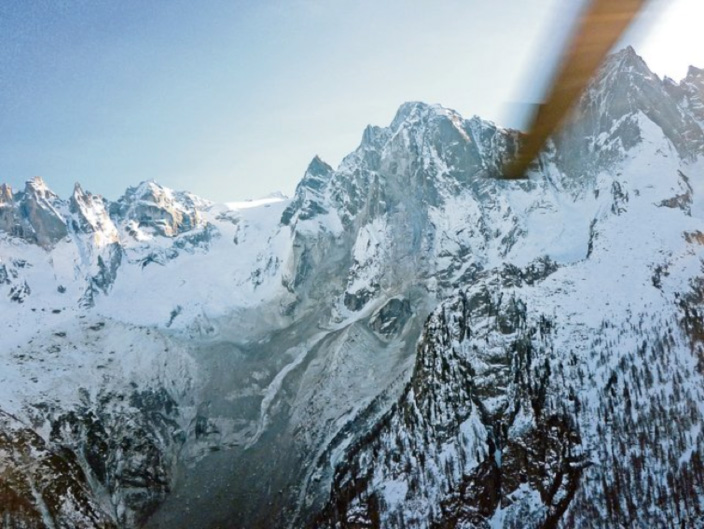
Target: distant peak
{"x":36,"y":182}
{"x":407,"y":111}
{"x":277,"y":195}
{"x":628,"y":58}
{"x":37,"y":186}
{"x":627,"y":53}
{"x":5,"y":194}
{"x":624,"y":66}
{"x":318,"y":167}
{"x":628,"y":50}
{"x":146,"y":188}
{"x":149,"y":184}
{"x":416,"y":111}
{"x":79,"y":194}
{"x":694,"y":73}
{"x":412,"y":106}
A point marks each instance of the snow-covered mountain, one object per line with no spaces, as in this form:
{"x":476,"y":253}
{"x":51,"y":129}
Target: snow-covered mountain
{"x":409,"y":341}
{"x":568,"y":393}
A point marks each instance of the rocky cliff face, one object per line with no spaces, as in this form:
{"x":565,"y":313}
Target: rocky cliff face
{"x":153,"y":209}
{"x":34,"y":214}
{"x":517,"y":416}
{"x":273,"y":364}
{"x":43,"y":485}
{"x":689,"y":92}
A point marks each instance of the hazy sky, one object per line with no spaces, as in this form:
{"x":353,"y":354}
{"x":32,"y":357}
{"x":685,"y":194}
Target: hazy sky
{"x":231,"y":99}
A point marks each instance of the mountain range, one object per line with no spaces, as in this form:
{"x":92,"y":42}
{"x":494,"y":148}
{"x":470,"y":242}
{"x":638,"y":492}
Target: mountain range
{"x":409,"y":341}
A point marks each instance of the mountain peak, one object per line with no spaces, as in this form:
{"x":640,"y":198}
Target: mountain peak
{"x":148,"y":187}
{"x":40,"y":208}
{"x":695,"y":74}
{"x":36,"y":181}
{"x":309,"y":192}
{"x":276,"y":195}
{"x":37,"y":186}
{"x":629,"y":51}
{"x":317,"y":167}
{"x":412,"y":106}
{"x":627,"y":61}
{"x":93,"y":216}
{"x":158,"y":208}
{"x":5,"y":194}
{"x":624,"y":89}
{"x":78,"y":190}
{"x":414,"y":111}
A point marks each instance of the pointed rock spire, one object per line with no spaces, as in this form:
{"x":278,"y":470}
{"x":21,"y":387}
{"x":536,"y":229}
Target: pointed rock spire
{"x":318,"y":168}
{"x":39,"y":214}
{"x":5,"y":195}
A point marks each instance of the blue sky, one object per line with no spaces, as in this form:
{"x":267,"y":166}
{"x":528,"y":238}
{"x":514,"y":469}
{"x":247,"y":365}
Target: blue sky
{"x":231,"y":99}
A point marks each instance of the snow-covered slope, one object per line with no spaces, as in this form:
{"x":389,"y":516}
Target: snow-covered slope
{"x":254,"y":364}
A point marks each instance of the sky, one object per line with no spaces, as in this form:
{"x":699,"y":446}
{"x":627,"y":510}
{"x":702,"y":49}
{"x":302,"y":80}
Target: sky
{"x":231,"y":99}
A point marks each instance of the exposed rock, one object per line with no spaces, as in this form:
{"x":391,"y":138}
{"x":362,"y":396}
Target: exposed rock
{"x":128,"y":445}
{"x":40,"y":218}
{"x":606,"y":121}
{"x":309,"y":193}
{"x":154,"y":208}
{"x":390,"y":319}
{"x":9,"y":223}
{"x":93,"y":217}
{"x":42,"y":484}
